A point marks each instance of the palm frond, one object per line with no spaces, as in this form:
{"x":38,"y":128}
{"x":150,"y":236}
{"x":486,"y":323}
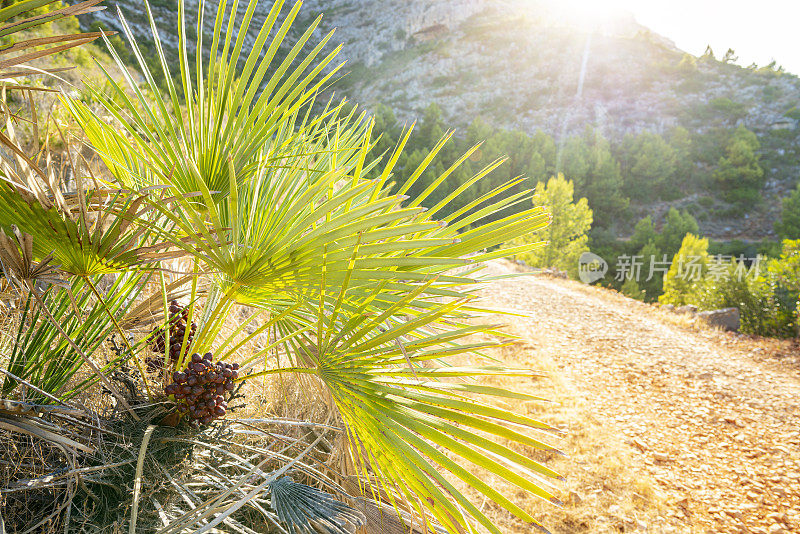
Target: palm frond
{"x":229,"y":116}
{"x":99,"y":231}
{"x":43,"y":358}
{"x":18,"y":265}
{"x":365,"y":291}
{"x":237,"y":478}
{"x":15,"y":18}
{"x":307,"y":510}
{"x":402,"y":413}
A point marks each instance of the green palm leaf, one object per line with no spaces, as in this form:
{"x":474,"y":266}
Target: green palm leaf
{"x":279,"y":209}
{"x":228,"y":116}
{"x":406,"y":421}
{"x":105,"y":232}
{"x":41,"y":356}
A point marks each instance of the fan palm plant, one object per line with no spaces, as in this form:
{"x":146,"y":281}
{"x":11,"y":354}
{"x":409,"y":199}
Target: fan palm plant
{"x":273,"y":207}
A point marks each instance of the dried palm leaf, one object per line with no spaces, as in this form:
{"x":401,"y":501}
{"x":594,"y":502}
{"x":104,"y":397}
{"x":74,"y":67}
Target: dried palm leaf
{"x":17,"y":18}
{"x":16,"y":260}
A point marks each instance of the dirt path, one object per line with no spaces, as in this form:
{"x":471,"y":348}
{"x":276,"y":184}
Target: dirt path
{"x":715,"y":427}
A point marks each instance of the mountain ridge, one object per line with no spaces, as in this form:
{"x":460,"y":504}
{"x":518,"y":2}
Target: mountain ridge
{"x":528,"y":66}
{"x":465,"y":36}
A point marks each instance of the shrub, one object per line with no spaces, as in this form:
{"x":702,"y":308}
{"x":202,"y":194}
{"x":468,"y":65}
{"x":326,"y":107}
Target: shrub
{"x":770,"y":93}
{"x":631,"y":289}
{"x":705,"y":201}
{"x":766,"y":292}
{"x":730,"y":110}
{"x":766,"y":306}
{"x":686,"y":272}
{"x":652,"y":278}
{"x":793,"y":113}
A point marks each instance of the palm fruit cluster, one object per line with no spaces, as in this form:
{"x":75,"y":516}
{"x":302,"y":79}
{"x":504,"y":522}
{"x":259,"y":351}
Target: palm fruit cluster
{"x":179,"y":316}
{"x":200,"y":389}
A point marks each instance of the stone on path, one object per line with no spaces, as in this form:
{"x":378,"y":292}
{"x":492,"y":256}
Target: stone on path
{"x":726,"y":318}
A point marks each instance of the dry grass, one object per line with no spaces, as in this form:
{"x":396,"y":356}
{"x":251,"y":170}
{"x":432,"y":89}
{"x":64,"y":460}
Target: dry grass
{"x":594,"y":465}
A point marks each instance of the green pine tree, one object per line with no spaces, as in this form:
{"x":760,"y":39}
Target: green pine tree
{"x":588,"y":161}
{"x":675,"y":228}
{"x":739,"y":174}
{"x":567,"y":233}
{"x":651,"y":167}
{"x":788,"y":227}
{"x":685,"y":171}
{"x":643,"y":233}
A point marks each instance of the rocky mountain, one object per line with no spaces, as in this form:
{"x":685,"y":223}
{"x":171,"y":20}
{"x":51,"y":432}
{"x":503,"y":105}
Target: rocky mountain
{"x":531,"y":65}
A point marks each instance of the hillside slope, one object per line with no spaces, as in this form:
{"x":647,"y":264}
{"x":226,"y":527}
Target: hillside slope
{"x":517,"y":63}
{"x":703,"y":416}
{"x":526,"y":65}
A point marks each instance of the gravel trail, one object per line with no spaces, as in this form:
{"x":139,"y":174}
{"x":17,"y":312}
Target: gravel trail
{"x":713,"y":423}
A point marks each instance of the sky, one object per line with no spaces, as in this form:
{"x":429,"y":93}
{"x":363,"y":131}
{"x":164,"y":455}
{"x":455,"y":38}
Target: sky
{"x":757,"y":30}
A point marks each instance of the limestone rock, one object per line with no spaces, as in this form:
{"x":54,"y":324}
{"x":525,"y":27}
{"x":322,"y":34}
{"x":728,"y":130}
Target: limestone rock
{"x":726,"y":318}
